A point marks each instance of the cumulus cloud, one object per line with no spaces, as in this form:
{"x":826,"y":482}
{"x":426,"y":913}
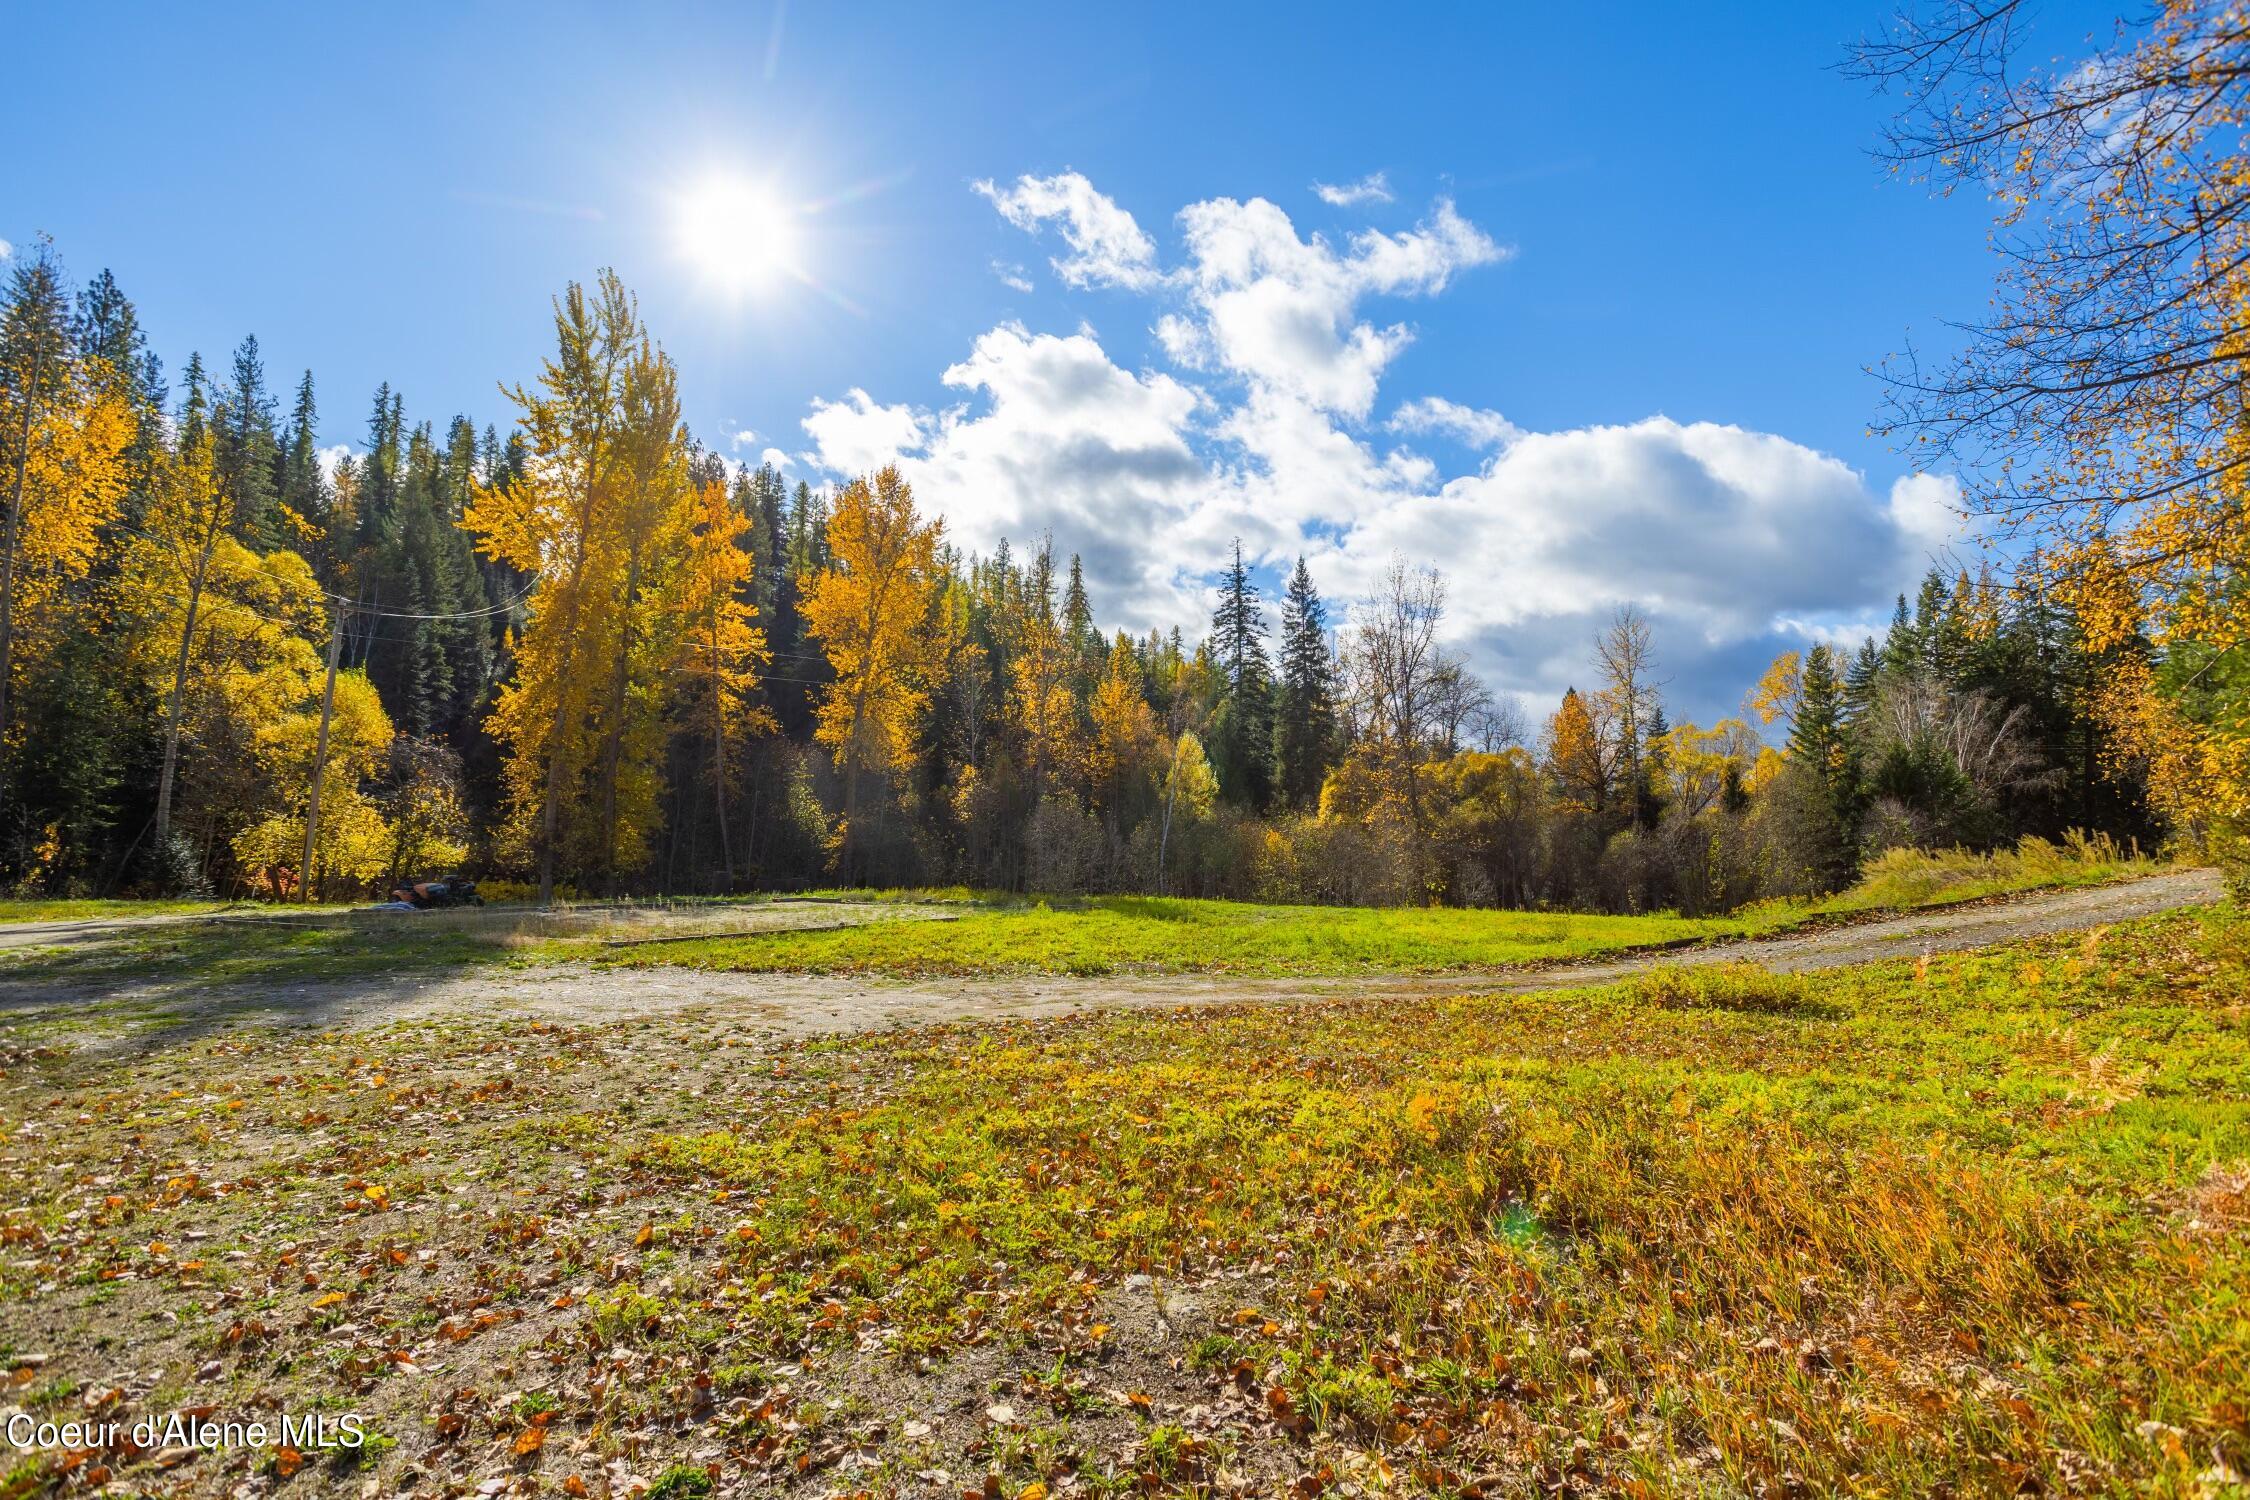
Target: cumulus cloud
{"x":743,"y":438}
{"x":1736,"y":543}
{"x":1107,"y":247}
{"x":332,"y":458}
{"x":1280,"y":310}
{"x":1373,"y":188}
{"x":775,"y":459}
{"x":1053,"y":439}
{"x":6,"y":249}
{"x":1467,"y":424}
{"x":857,"y":436}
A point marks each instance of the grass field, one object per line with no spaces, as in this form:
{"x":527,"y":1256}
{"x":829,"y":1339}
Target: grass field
{"x":1979,"y":1224}
{"x":992,"y":933}
{"x":1118,"y":934}
{"x":1125,"y":934}
{"x":75,"y":909}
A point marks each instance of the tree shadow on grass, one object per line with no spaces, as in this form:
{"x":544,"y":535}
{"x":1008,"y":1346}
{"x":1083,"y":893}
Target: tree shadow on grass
{"x":148,"y":991}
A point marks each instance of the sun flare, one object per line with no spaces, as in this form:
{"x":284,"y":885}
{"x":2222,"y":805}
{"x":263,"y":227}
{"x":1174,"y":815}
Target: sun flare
{"x":740,"y":233}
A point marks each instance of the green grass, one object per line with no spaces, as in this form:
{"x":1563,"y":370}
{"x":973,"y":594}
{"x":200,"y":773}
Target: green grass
{"x":1149,"y":934}
{"x":1970,"y":1225}
{"x":1912,"y":877}
{"x":1976,"y":1225}
{"x":1000,"y":934}
{"x":261,"y":950}
{"x":1141,"y":934}
{"x":40,"y":909}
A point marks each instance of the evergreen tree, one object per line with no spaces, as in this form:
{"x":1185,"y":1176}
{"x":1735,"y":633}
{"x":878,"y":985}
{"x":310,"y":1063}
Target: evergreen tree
{"x":1902,"y":645}
{"x":1816,"y":739}
{"x":1242,"y":731}
{"x":243,"y":445}
{"x":1822,"y":779}
{"x":299,"y":484}
{"x":1305,"y":707}
{"x":1860,"y":683}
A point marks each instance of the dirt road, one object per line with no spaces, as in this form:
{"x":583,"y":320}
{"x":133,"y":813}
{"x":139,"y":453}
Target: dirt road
{"x":802,"y":1005}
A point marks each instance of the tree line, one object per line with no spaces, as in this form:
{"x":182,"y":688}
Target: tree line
{"x":585,"y":653}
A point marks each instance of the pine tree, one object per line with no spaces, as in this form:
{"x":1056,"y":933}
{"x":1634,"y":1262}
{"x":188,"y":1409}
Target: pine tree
{"x":1305,"y":709}
{"x":1816,"y":738}
{"x":108,"y":329}
{"x":243,"y":450}
{"x":1820,"y":752}
{"x":1088,"y":656}
{"x":1902,"y":644}
{"x":1242,"y":732}
{"x":1860,"y":683}
{"x":301,"y":488}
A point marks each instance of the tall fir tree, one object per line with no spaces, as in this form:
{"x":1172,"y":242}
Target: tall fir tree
{"x":243,"y":449}
{"x":1305,"y":730}
{"x":1242,"y":731}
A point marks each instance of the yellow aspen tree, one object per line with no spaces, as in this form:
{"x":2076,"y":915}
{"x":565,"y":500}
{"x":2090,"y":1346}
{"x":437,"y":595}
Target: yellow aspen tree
{"x":1041,"y":702}
{"x":653,"y":491}
{"x":188,"y":519}
{"x":720,"y":649}
{"x":556,"y":520}
{"x":74,"y":479}
{"x":1190,"y":788}
{"x":877,"y":611}
{"x":1124,"y":730}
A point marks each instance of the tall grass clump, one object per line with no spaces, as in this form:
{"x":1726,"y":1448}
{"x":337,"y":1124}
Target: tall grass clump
{"x":1928,"y":877}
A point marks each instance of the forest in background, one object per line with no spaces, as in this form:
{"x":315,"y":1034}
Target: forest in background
{"x":584,"y":653}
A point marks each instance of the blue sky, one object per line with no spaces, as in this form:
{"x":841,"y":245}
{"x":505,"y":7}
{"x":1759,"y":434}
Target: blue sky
{"x":1650,"y":239}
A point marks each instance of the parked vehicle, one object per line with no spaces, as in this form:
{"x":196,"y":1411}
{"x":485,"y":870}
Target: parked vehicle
{"x":429,"y":895}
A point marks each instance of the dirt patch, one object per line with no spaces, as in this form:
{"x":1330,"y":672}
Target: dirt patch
{"x":798,"y":1005}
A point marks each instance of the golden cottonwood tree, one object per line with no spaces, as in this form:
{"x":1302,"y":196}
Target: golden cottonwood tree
{"x":560,"y":519}
{"x":876,"y":610}
{"x":720,"y":650}
{"x":231,"y":639}
{"x":169,"y":568}
{"x":653,"y":494}
{"x":74,"y":476}
{"x":353,"y":841}
{"x":1040,"y":701}
{"x":1124,"y":737}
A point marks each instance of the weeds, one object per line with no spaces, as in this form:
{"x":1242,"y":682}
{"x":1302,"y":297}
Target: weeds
{"x":1966,"y":1226}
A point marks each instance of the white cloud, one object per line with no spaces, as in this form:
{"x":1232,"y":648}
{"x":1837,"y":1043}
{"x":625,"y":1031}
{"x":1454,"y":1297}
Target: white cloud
{"x":1054,"y":439}
{"x":1375,"y":187}
{"x":1280,"y":311}
{"x":857,"y":436}
{"x":6,"y":249}
{"x":1472,"y":427}
{"x":742,"y":439}
{"x":774,"y":459}
{"x":1928,"y":509}
{"x":1012,"y":277}
{"x":332,"y":457}
{"x":1108,"y":247}
{"x":1735,"y":543}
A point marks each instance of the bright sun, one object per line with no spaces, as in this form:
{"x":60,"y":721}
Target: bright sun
{"x":740,"y":233}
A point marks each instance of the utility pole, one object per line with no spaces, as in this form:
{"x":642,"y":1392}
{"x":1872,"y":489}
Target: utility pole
{"x":320,"y":747}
